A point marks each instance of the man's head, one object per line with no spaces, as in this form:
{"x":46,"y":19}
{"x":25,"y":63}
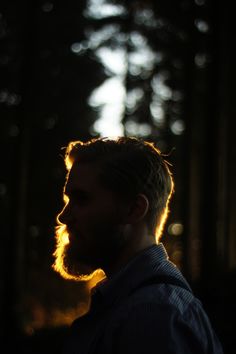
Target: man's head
{"x":112,"y":186}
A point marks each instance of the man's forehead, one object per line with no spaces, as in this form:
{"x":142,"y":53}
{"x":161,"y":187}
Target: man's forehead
{"x":86,"y":178}
{"x":83,"y":175}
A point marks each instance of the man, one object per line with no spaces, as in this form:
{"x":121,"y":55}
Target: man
{"x":117,"y":196}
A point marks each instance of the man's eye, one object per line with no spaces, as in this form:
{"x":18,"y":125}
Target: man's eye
{"x":80,"y":198}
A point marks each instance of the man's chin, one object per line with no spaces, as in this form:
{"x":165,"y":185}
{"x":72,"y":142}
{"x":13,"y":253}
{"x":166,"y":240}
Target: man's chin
{"x":69,"y":267}
{"x":78,"y":270}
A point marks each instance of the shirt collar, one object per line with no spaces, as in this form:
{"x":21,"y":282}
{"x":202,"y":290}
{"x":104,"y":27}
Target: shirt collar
{"x":141,"y":267}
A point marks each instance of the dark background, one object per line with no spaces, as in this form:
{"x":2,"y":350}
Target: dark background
{"x":178,"y":80}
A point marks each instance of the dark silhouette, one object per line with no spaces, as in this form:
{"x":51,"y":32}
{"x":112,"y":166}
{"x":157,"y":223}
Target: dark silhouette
{"x":117,"y":196}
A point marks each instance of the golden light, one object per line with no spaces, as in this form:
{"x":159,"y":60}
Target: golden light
{"x":65,"y":199}
{"x":62,"y":241}
{"x":175,"y":229}
{"x":160,"y":226}
{"x":65,"y":238}
{"x":164,"y":215}
{"x":40,"y":317}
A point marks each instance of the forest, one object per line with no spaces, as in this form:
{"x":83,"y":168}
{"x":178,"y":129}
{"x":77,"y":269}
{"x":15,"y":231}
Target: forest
{"x":160,"y":70}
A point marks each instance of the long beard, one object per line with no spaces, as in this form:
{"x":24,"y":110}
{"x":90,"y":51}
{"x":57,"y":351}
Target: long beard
{"x":65,"y":262}
{"x":71,"y":263}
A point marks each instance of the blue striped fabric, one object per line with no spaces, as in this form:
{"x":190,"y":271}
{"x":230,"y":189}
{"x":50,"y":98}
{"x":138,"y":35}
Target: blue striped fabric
{"x":128,"y":317}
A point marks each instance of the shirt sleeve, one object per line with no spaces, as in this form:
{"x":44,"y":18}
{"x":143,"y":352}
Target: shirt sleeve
{"x":162,"y":329}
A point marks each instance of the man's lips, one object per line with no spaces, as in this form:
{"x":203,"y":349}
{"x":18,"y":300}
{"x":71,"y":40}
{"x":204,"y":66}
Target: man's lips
{"x":72,"y":235}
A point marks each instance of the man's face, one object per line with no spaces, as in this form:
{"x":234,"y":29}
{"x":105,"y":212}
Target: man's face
{"x":94,"y":219}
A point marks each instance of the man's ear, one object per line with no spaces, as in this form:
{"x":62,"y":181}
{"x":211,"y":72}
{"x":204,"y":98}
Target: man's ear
{"x":138,"y":209}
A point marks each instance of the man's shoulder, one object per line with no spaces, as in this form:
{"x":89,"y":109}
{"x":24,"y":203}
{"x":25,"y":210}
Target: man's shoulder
{"x":157,"y":294}
{"x":148,"y":317}
{"x":162,"y":306}
{"x":154,"y":298}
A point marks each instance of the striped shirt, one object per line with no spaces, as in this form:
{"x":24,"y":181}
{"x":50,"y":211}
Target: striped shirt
{"x":145,"y":308}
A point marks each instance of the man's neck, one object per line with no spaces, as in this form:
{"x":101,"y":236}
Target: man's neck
{"x":128,"y":253}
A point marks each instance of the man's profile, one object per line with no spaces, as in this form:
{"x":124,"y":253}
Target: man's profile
{"x":117,"y":195}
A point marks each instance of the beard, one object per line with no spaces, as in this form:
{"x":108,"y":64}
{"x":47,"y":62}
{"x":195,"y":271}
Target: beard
{"x":82,"y":259}
{"x":66,"y":260}
{"x":74,"y":265}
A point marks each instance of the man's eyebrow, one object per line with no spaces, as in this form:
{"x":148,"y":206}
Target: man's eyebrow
{"x":76,"y":192}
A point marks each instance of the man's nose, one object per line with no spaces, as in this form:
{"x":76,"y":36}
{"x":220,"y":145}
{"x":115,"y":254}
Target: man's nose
{"x":64,"y":216}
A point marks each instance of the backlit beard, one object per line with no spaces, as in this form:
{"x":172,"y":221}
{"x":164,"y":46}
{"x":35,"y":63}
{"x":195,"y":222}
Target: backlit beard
{"x":66,"y":262}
